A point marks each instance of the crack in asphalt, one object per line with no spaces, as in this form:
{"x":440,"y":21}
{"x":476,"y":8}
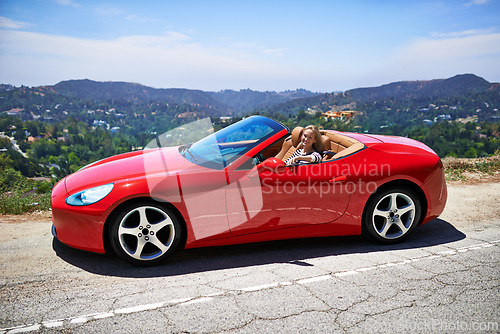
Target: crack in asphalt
{"x":441,"y":278}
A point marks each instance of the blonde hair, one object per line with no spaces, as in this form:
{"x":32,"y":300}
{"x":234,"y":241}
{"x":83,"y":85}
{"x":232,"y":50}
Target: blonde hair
{"x":318,"y":145}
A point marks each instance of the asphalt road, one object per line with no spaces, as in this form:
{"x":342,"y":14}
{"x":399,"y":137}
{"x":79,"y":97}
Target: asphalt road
{"x":445,"y":278}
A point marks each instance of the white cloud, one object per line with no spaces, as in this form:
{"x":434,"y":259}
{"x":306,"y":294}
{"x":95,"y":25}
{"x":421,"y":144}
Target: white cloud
{"x":169,"y":60}
{"x":176,"y":59}
{"x":464,"y":33}
{"x":109,"y":11}
{"x":68,"y":3}
{"x":277,"y":52}
{"x":476,"y":2}
{"x":429,"y":58}
{"x":6,"y":23}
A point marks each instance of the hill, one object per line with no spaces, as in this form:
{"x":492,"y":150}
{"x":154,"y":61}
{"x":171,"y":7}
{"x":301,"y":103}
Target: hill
{"x":439,"y":89}
{"x":442,"y":88}
{"x":239,"y":103}
{"x":112,"y":92}
{"x":226,"y":102}
{"x":247,"y":101}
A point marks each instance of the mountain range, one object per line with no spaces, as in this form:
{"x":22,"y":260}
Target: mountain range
{"x":226,"y":101}
{"x":440,"y":88}
{"x":230,"y":102}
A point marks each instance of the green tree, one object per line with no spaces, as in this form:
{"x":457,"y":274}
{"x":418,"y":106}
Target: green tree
{"x":471,"y":153}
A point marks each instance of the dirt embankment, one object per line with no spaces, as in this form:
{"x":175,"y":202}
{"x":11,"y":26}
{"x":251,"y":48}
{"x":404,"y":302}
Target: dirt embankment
{"x":461,"y":171}
{"x":32,"y":217}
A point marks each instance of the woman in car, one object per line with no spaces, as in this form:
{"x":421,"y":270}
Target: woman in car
{"x":310,"y":148}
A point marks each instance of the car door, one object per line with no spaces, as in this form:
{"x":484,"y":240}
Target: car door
{"x":261,"y":200}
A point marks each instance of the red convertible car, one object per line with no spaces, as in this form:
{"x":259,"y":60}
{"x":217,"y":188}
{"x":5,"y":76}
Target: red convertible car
{"x":233,"y":187}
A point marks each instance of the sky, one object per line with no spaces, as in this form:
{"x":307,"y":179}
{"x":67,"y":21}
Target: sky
{"x":322,"y":46}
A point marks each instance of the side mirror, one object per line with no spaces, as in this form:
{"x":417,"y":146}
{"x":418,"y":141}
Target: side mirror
{"x":273,"y":165}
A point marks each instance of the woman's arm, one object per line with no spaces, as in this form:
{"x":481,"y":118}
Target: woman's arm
{"x":306,"y":158}
{"x":315,"y":157}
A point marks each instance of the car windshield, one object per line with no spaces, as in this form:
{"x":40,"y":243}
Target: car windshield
{"x":223,"y":147}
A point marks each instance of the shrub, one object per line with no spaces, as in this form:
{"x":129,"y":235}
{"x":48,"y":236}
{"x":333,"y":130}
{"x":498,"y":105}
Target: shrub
{"x":19,"y":195}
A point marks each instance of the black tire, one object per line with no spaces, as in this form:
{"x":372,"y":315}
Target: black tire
{"x":145,"y":233}
{"x":391,"y":215}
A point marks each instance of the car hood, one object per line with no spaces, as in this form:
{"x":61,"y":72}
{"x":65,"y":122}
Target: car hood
{"x":125,"y":166}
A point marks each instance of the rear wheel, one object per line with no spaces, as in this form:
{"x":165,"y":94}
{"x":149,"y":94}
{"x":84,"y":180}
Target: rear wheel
{"x":145,"y":233}
{"x":391,"y":215}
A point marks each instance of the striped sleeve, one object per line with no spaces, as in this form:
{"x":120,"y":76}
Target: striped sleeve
{"x":295,"y":154}
{"x":316,"y":157}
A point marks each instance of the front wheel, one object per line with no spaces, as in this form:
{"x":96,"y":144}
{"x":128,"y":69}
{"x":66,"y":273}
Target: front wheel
{"x":391,"y":215}
{"x":145,"y":233}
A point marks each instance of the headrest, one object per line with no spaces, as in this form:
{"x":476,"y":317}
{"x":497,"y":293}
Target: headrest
{"x":327,"y":143}
{"x":297,"y":135}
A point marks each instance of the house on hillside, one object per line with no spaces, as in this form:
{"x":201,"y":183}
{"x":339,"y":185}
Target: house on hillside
{"x":14,"y":111}
{"x":342,"y":115}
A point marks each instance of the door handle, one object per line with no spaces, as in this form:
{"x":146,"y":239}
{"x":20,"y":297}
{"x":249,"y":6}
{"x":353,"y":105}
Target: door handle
{"x":338,"y":179}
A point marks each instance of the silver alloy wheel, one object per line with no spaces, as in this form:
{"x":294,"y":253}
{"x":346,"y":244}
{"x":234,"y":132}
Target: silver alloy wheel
{"x":146,"y":233}
{"x":393,"y":215}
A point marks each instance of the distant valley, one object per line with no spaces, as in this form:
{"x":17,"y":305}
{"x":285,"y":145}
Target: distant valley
{"x":55,"y":130}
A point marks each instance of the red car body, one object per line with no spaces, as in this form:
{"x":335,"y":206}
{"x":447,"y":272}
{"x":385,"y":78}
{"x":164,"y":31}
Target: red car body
{"x":251,"y":197}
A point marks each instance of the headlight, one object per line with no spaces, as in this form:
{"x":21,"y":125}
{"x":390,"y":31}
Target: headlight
{"x":90,"y":196}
